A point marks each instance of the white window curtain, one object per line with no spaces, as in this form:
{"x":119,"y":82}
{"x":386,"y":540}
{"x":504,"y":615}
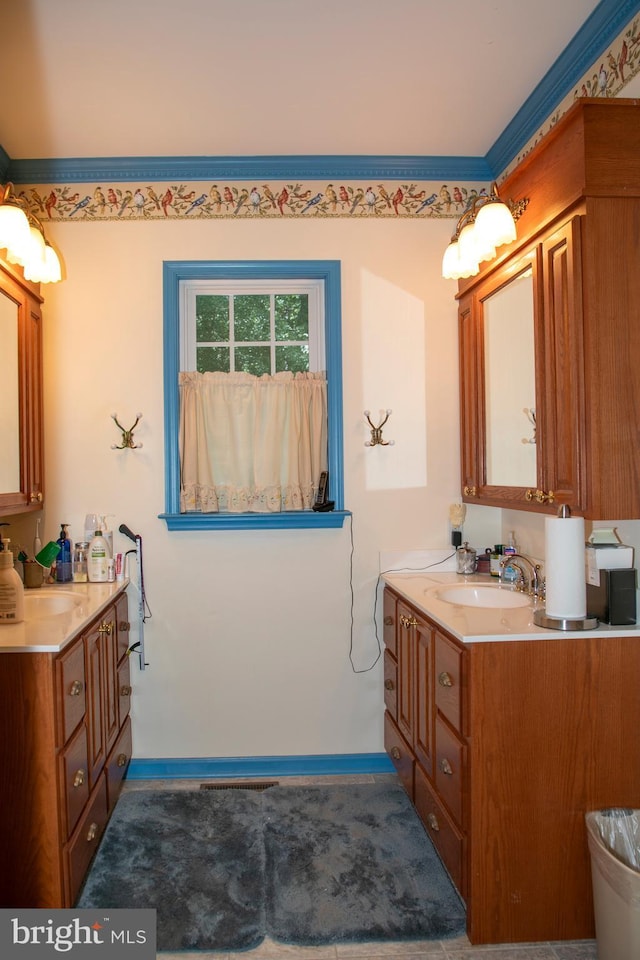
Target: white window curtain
{"x":251,"y":444}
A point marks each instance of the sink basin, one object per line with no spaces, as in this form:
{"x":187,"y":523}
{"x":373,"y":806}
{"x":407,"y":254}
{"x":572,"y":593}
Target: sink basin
{"x":47,"y":603}
{"x":474,"y":595}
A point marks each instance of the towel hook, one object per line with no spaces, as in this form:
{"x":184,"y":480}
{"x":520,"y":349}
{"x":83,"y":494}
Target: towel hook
{"x":127,"y":435}
{"x":376,"y":431}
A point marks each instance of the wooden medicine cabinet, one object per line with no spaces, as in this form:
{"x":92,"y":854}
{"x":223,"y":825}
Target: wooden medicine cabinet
{"x":21,"y":463}
{"x":549,"y":331}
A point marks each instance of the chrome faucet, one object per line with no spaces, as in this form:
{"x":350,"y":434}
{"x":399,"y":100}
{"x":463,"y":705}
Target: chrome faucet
{"x":532,"y":584}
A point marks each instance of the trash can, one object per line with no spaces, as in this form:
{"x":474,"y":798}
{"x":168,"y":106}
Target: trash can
{"x":614,"y":845}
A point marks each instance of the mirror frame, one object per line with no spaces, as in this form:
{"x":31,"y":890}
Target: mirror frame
{"x":473,"y":393}
{"x":26,"y":296}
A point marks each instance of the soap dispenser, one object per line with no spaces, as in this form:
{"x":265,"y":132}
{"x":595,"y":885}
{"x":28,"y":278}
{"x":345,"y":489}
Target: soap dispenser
{"x":11,"y":591}
{"x":63,"y":562}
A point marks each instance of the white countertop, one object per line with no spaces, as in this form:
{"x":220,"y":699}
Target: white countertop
{"x":483,"y":624}
{"x":50,"y":634}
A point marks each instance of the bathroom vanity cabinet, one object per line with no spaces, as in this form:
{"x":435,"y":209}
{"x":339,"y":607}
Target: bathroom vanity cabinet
{"x":503,"y":747}
{"x":549,"y":330}
{"x":64,"y":750}
{"x":22,"y":467}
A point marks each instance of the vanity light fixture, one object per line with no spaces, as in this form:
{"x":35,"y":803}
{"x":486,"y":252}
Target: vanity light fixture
{"x":487,"y":224}
{"x":22,"y":236}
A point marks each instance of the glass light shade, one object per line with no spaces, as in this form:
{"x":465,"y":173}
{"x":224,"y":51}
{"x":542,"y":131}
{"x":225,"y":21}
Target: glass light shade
{"x":494,"y":226}
{"x":454,"y":264}
{"x":53,"y":270}
{"x":15,"y":234}
{"x":34,"y":261}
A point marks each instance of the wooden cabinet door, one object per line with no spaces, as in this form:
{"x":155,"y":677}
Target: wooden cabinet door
{"x":406,"y":647}
{"x":423,"y":732}
{"x":96,"y":736}
{"x":560,"y":368}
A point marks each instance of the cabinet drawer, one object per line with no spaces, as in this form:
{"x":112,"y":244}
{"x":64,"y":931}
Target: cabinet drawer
{"x":400,"y":753}
{"x":124,"y":690}
{"x":450,"y":772}
{"x":85,"y":840}
{"x":449,"y":680}
{"x":389,"y":618}
{"x":391,"y":685}
{"x":446,"y":838}
{"x":74,"y":777}
{"x":72,"y":690}
{"x":118,"y":763}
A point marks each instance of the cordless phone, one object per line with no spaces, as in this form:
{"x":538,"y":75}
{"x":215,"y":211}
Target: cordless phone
{"x":322,"y":504}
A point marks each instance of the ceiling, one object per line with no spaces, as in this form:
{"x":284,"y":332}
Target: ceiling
{"x":133,"y":78}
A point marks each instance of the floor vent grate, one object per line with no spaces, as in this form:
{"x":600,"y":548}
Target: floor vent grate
{"x":240,"y":785}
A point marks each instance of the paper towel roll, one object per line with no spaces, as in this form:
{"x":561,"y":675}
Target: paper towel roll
{"x":564,"y":568}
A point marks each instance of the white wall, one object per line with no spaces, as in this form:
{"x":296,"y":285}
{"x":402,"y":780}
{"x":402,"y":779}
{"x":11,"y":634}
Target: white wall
{"x":248,"y":646}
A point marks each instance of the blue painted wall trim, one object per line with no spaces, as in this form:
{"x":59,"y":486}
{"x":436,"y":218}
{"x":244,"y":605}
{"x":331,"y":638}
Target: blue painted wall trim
{"x":589,"y":43}
{"x":127,"y":169}
{"x":329,"y":272}
{"x":222,"y":767}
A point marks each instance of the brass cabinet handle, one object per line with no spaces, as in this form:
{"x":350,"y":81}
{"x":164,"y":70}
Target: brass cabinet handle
{"x":445,"y":766}
{"x":540,"y":496}
{"x":389,"y":685}
{"x":35,"y":496}
{"x":92,"y":832}
{"x":444,"y":679}
{"x":125,"y":690}
{"x":470,"y":491}
{"x":388,"y":621}
{"x":408,"y":621}
{"x":122,"y":760}
{"x":106,"y":628}
{"x":395,"y":753}
{"x":78,"y":780}
{"x":76,"y":688}
{"x":123,"y":626}
{"x":432,"y":821}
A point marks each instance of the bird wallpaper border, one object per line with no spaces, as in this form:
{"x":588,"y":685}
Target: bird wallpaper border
{"x":240,"y":200}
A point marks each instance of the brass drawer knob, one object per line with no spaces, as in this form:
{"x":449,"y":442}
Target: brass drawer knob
{"x":92,"y":832}
{"x":470,"y":491}
{"x":445,"y":766}
{"x":389,"y":685}
{"x":540,"y":496}
{"x":122,"y":760}
{"x":388,"y":621}
{"x":444,"y":679}
{"x":432,"y":822}
{"x":125,"y":690}
{"x":395,"y":753}
{"x":78,"y":780}
{"x":76,"y":688}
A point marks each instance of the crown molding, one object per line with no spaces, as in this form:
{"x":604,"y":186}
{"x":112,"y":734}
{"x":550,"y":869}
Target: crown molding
{"x":155,"y":169}
{"x":589,"y":43}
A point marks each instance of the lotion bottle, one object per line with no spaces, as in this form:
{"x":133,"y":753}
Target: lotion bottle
{"x":11,"y":591}
{"x":97,"y":558}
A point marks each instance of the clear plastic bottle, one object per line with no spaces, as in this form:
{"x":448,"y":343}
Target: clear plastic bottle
{"x":11,"y":591}
{"x":97,"y":558}
{"x":80,"y":552}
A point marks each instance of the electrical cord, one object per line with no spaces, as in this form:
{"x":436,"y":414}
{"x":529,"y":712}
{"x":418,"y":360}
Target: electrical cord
{"x":375,"y":602}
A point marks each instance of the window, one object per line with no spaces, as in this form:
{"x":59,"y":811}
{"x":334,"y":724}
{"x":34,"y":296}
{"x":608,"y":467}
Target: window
{"x":258,"y":316}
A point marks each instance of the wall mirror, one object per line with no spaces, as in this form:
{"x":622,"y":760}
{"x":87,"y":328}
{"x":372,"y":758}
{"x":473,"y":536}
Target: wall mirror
{"x":21,"y":463}
{"x":509,"y":383}
{"x":9,"y":396}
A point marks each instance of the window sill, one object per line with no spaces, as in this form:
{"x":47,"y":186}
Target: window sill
{"x":293,"y":520}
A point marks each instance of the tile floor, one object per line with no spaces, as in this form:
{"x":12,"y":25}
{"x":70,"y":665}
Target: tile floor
{"x":455,"y":949}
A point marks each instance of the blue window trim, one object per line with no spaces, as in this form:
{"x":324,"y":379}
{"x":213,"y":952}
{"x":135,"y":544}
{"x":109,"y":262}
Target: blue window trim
{"x":327,"y":270}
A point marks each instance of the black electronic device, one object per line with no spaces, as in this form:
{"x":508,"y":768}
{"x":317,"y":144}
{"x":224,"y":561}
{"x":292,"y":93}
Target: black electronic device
{"x":322,"y":503}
